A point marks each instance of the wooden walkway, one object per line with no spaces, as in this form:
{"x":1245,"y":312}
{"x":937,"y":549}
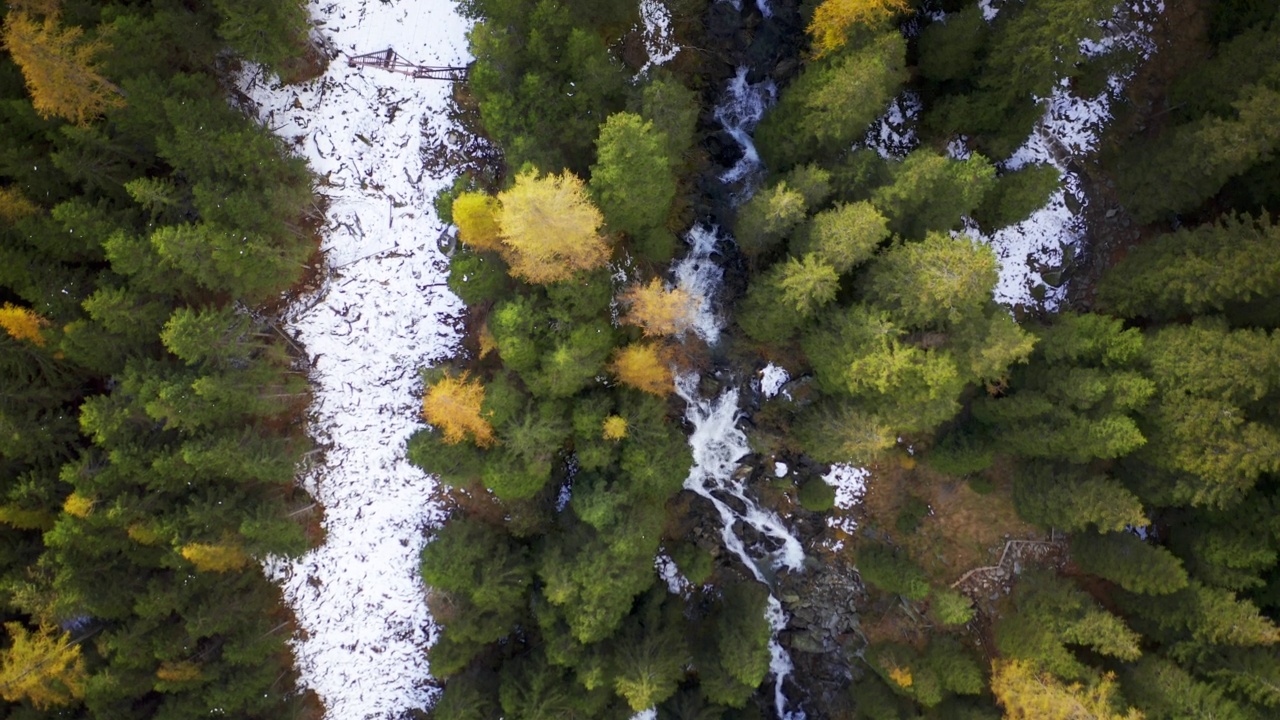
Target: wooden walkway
{"x":392,"y":61}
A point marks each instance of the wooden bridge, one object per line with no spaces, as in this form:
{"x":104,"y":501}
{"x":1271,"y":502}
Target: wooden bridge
{"x":392,"y":61}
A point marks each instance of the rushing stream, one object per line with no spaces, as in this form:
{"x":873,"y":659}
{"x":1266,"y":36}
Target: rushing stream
{"x":717,"y":442}
{"x":383,"y":312}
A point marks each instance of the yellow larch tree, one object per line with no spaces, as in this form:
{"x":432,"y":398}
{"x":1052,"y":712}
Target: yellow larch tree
{"x":832,"y":19}
{"x":143,"y":533}
{"x":1030,"y":694}
{"x":60,"y":67}
{"x":643,"y":367}
{"x":43,"y":667}
{"x":614,"y":428}
{"x":14,"y":205}
{"x":178,"y":671}
{"x":551,"y":228}
{"x":22,"y":323}
{"x":215,"y":557}
{"x":902,"y":676}
{"x":658,"y":311}
{"x":488,"y":343}
{"x":454,"y":405}
{"x":26,"y":519}
{"x":476,"y":216}
{"x":78,"y":505}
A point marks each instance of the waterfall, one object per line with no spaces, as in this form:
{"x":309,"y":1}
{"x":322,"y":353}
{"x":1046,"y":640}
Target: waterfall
{"x":718,"y":445}
{"x":742,"y":106}
{"x":717,"y":442}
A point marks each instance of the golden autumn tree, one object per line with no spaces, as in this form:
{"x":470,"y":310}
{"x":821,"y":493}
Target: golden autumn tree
{"x":60,"y":67}
{"x":550,"y":228}
{"x":901,"y":675}
{"x":43,"y":667}
{"x":14,"y":205}
{"x":1029,"y":694}
{"x":614,"y":428}
{"x":476,"y":216}
{"x":178,"y":671}
{"x":215,"y":557}
{"x":832,"y":19}
{"x":643,"y":367}
{"x":78,"y":505}
{"x":658,"y":311}
{"x":22,"y":323}
{"x":455,"y":406}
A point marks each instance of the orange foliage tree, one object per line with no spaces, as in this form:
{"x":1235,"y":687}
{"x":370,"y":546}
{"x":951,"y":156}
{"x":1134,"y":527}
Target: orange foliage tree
{"x":551,"y":228}
{"x":455,"y":406}
{"x":657,"y":310}
{"x":60,"y":67}
{"x":22,"y":323}
{"x":643,"y":367}
{"x":833,"y":18}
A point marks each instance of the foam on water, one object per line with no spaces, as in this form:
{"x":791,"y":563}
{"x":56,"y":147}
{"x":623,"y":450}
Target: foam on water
{"x":740,"y":109}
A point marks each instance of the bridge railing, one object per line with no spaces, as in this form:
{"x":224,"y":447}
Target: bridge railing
{"x":392,"y":61}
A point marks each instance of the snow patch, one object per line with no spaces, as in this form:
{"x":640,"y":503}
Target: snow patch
{"x":772,"y":378}
{"x":1067,"y":132}
{"x":382,"y":313}
{"x":850,"y":482}
{"x":780,"y":469}
{"x":659,"y":42}
{"x":677,"y":583}
{"x":893,"y":134}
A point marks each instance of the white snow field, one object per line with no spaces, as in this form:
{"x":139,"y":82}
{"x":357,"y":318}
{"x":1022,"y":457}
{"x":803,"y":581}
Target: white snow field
{"x":382,"y":313}
{"x":1067,"y":132}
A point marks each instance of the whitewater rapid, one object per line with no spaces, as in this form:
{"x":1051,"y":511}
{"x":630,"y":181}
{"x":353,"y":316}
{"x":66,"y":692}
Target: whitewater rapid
{"x":717,"y":442}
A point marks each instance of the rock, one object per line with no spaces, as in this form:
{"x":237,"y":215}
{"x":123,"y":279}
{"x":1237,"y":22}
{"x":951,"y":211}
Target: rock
{"x":806,"y":643}
{"x":785,"y":69}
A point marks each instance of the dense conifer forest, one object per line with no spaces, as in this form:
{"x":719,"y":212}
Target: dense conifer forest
{"x":149,"y":432}
{"x":1123,"y":448}
{"x":1135,"y":422}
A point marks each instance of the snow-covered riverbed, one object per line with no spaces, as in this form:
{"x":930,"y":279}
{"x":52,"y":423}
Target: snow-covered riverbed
{"x":382,"y":313}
